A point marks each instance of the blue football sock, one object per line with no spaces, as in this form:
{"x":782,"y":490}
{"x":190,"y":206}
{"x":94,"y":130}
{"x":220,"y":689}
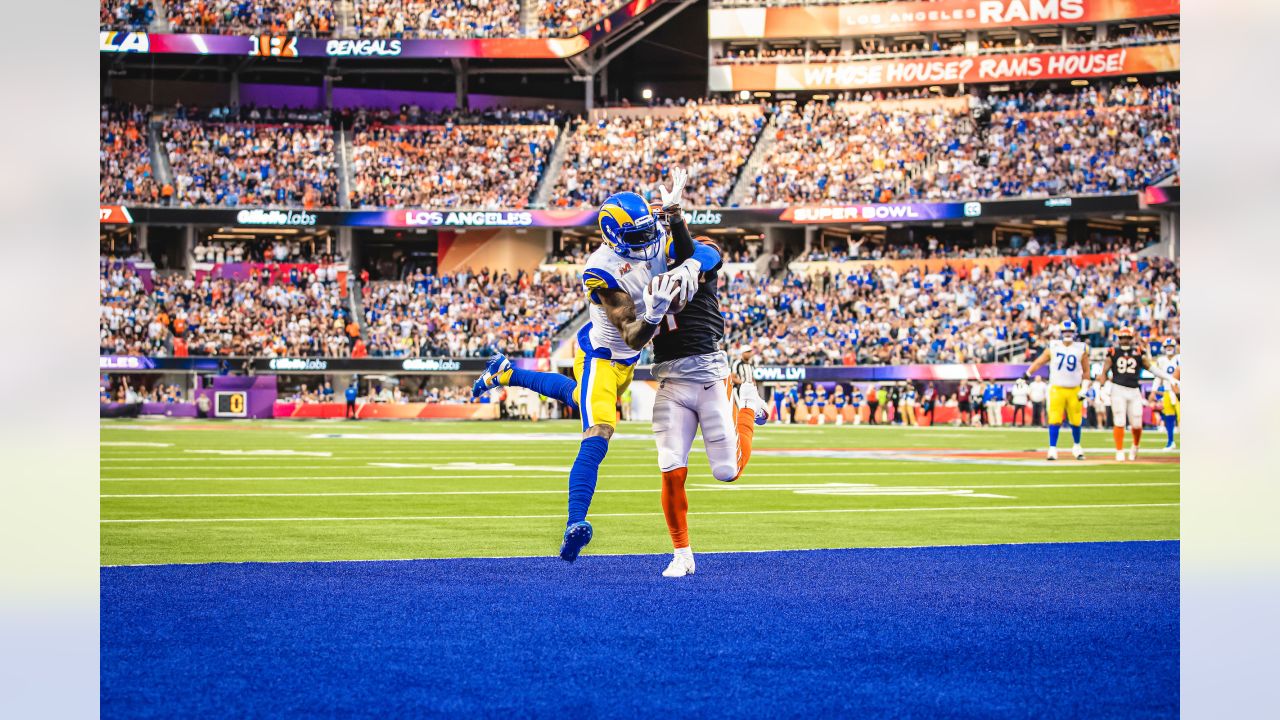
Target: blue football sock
{"x":1170,"y":422}
{"x":582,"y":478}
{"x":553,"y":385}
{"x":1053,"y":435}
{"x":1075,"y":434}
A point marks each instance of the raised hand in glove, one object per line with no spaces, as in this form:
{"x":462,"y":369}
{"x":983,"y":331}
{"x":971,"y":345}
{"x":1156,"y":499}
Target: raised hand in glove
{"x":672,"y":198}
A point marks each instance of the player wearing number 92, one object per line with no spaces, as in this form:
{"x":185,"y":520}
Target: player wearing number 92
{"x":1123,"y":362}
{"x":1065,"y":358}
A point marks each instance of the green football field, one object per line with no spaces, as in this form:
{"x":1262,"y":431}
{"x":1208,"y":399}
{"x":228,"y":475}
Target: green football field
{"x":176,"y":491}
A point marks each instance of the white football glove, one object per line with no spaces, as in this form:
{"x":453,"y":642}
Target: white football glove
{"x":671,"y":198}
{"x":688,"y":272}
{"x":658,"y":297}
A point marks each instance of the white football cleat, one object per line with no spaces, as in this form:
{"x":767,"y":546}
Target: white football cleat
{"x":1119,"y":456}
{"x":1077,"y":451}
{"x":679,"y":567}
{"x":749,"y":397}
{"x":1053,"y":453}
{"x":1133,"y":453}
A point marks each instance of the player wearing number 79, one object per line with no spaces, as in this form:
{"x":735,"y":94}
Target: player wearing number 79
{"x":1065,"y":358}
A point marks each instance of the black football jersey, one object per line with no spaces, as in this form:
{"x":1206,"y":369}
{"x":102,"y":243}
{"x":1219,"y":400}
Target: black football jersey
{"x":697,"y":329}
{"x":1124,"y":366}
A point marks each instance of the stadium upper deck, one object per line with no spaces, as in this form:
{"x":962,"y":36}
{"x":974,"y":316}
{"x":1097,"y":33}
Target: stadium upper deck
{"x":1093,"y":140}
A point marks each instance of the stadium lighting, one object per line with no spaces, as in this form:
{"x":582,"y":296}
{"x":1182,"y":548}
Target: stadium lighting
{"x":1079,"y":82}
{"x":647,"y":93}
{"x":744,"y":95}
{"x":762,"y":93}
{"x":822,"y":98}
{"x":1131,"y":79}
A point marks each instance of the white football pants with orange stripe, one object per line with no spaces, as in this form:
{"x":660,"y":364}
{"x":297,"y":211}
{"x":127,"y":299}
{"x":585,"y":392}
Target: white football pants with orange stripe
{"x":681,"y":407}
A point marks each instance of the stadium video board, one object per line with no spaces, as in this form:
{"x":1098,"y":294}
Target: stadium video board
{"x":433,"y":218}
{"x":950,"y":70}
{"x":889,"y":17}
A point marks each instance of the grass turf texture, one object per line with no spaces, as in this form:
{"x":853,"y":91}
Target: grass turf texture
{"x":1082,"y":630}
{"x":171,"y":495}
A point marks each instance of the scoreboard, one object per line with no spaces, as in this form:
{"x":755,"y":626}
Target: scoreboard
{"x":230,"y":404}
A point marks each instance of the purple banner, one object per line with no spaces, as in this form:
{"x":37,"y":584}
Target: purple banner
{"x":291,"y":46}
{"x":239,"y":396}
{"x":169,"y":409}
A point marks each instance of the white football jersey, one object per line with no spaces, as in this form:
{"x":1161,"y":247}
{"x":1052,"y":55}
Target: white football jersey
{"x":1066,"y":363}
{"x":606,"y":269}
{"x":1170,"y":365}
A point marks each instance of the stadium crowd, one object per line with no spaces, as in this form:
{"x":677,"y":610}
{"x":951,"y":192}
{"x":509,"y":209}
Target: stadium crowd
{"x":610,"y":153}
{"x":450,"y":19}
{"x":124,"y":157}
{"x":469,"y":314}
{"x":125,"y":14}
{"x":831,"y":154}
{"x":564,"y":18}
{"x":480,"y":166}
{"x":1094,"y":140}
{"x":302,"y":315}
{"x":251,"y":164}
{"x":877,"y":315}
{"x":251,"y":17}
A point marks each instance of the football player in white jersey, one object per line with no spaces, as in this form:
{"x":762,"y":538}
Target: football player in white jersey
{"x":1065,"y":357}
{"x":626,"y":310}
{"x":1171,"y":362}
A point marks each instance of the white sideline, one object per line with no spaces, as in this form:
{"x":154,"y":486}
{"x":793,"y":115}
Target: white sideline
{"x":693,"y":488}
{"x":473,"y":476}
{"x":664,"y":555}
{"x":560,"y":516}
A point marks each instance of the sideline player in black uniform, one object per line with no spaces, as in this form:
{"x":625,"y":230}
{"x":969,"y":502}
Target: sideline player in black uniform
{"x":694,"y":386}
{"x":1123,"y":363}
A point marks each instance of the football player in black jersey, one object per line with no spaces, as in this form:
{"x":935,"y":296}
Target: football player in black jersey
{"x":1123,"y":363}
{"x":694,"y":387}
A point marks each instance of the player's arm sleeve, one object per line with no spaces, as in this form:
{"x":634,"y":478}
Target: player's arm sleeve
{"x":594,"y":280}
{"x":680,"y":246}
{"x":1155,"y":370}
{"x":707,"y":257}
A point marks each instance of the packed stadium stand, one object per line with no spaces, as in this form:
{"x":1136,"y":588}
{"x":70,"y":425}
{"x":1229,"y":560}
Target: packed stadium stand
{"x":636,"y":149}
{"x":437,"y":18}
{"x":469,"y":314}
{"x":470,"y":166}
{"x":1093,"y":140}
{"x":124,"y":158}
{"x":177,"y":314}
{"x":847,"y":314}
{"x":262,"y":165}
{"x":229,"y":17}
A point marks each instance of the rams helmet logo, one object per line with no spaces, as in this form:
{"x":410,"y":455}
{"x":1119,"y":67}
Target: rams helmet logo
{"x":629,"y":226}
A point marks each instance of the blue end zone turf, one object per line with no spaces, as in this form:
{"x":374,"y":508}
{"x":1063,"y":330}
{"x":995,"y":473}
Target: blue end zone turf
{"x":1031,"y":631}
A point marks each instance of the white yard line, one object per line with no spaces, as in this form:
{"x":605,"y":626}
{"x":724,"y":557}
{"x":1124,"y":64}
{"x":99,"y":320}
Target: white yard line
{"x":560,"y":516}
{"x":561,"y":491}
{"x":473,"y":476}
